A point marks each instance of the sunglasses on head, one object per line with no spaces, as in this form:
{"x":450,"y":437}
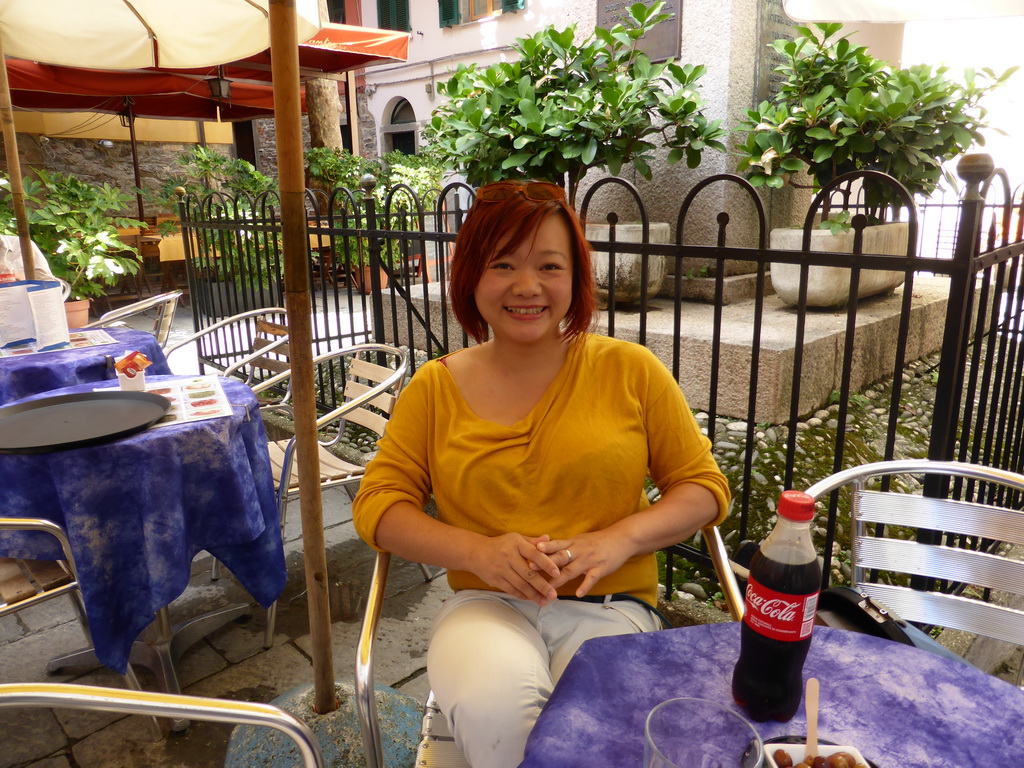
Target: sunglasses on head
{"x":537,"y":191}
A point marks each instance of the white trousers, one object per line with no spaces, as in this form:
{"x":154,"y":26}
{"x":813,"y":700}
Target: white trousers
{"x":494,"y":659}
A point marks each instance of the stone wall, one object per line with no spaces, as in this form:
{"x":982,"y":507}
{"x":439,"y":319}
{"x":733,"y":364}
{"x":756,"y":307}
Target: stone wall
{"x":95,"y":164}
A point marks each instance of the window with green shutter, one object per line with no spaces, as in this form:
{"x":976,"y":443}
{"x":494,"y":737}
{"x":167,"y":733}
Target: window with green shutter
{"x":512,"y":5}
{"x":393,"y":14}
{"x":336,"y":11}
{"x":448,"y":11}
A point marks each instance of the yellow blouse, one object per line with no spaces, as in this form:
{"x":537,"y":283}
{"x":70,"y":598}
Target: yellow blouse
{"x":576,"y":463}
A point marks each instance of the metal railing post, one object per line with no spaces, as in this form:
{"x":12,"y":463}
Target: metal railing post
{"x":974,"y":169}
{"x":367,"y":184}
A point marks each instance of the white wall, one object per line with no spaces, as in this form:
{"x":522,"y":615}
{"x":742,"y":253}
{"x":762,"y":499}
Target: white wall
{"x":980,"y":43}
{"x":435,"y":51}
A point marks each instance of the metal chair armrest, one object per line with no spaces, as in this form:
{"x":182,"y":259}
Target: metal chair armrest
{"x":44,"y":526}
{"x":262,"y":351}
{"x":724,"y":571}
{"x":175,"y":706}
{"x":221,"y":324}
{"x":135,"y":308}
{"x":366,"y":702}
{"x":366,"y":397}
{"x":914,"y":466}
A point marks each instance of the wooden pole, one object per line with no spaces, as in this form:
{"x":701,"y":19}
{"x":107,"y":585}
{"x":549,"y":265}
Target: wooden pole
{"x":352,"y":108}
{"x":284,"y":57}
{"x":14,"y":168}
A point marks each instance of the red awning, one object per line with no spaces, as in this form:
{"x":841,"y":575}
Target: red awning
{"x":186,"y":94}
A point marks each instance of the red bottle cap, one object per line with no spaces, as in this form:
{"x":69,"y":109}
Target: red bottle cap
{"x":796,"y":506}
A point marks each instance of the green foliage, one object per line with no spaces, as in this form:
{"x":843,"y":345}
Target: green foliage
{"x":75,"y":226}
{"x":206,"y":169}
{"x":839,"y":110}
{"x":327,"y":168}
{"x":564,"y":107}
{"x":422,"y":172}
{"x":841,"y":221}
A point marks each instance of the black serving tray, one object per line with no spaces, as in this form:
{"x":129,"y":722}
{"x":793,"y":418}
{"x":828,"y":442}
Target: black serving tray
{"x":72,"y":421}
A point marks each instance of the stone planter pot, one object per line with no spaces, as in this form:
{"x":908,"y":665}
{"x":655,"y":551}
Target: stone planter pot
{"x":77,"y":312}
{"x":628,"y":266}
{"x":830,"y":286}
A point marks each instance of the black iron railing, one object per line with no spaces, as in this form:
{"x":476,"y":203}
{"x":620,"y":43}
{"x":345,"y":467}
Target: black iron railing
{"x":757,"y":371}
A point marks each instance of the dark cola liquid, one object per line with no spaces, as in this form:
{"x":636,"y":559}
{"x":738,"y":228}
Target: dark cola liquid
{"x":768,"y":680}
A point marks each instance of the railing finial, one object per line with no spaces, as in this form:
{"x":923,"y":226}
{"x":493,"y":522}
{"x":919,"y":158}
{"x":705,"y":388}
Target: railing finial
{"x":975,"y":169}
{"x":367,"y":183}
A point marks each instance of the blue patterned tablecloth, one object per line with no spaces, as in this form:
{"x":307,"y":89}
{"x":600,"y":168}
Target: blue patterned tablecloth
{"x":138,"y":510}
{"x":44,"y":371}
{"x":898,"y":705}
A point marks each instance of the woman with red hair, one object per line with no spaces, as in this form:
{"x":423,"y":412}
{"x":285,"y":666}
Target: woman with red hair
{"x":535,"y":444}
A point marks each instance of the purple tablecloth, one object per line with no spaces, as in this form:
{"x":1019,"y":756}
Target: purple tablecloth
{"x":898,"y":705}
{"x":138,"y":510}
{"x":44,"y":371}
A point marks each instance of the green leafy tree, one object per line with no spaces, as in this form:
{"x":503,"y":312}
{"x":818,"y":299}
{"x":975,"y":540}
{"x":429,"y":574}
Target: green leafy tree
{"x":75,"y":226}
{"x":562,"y":108}
{"x":839,"y":109}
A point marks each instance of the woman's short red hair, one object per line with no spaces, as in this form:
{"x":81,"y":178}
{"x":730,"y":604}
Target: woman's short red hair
{"x":510,"y":222}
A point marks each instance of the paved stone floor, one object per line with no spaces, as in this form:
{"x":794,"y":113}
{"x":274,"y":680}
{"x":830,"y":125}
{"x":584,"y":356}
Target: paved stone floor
{"x":232,"y":663}
{"x":229,"y":663}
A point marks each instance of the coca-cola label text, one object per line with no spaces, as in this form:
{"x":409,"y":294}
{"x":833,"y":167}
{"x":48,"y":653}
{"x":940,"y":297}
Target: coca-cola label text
{"x":778,"y":615}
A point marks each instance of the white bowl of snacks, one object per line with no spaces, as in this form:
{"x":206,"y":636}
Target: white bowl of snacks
{"x":829,"y":756}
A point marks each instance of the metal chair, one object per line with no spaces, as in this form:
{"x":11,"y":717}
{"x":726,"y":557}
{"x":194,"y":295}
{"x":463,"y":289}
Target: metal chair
{"x":437,"y":747}
{"x":165,"y":305}
{"x":960,"y":546}
{"x":95,"y":698}
{"x":243,"y":345}
{"x":368,"y":387}
{"x":25,"y":583}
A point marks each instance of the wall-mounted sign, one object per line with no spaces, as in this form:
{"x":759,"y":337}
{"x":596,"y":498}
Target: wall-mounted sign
{"x":772,"y":24}
{"x":660,"y":43}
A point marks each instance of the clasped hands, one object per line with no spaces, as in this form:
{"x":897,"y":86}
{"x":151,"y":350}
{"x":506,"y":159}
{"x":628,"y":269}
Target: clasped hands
{"x":533,"y":568}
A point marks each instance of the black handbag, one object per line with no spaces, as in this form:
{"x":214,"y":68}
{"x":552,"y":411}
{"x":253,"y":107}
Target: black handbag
{"x":846,"y":608}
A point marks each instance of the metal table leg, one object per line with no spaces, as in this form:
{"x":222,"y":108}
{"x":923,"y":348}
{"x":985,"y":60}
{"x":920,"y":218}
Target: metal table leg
{"x":160,"y":647}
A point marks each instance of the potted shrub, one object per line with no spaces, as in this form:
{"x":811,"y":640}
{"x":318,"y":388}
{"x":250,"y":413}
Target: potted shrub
{"x":244,"y":270}
{"x":838,"y":110}
{"x":562,"y":108}
{"x":75,"y":226}
{"x":423,"y":175}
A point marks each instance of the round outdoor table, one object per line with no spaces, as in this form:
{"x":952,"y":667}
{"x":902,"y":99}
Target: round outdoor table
{"x":898,"y":705}
{"x":138,"y":509}
{"x":27,"y":375}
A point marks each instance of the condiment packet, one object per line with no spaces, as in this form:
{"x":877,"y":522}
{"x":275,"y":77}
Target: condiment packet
{"x":131,"y":364}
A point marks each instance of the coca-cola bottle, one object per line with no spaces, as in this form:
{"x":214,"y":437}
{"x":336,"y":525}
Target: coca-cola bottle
{"x":781,"y":600}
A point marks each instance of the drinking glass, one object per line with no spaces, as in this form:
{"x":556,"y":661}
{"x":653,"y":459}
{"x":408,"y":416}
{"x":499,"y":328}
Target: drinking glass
{"x":700,"y":733}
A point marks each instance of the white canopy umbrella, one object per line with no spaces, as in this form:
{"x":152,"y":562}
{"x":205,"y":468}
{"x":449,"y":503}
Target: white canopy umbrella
{"x":129,"y":34}
{"x":895,"y":11}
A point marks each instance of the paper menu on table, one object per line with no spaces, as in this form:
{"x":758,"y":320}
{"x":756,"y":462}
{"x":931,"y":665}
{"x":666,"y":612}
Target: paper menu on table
{"x":32,"y":311}
{"x":77,"y":339}
{"x":192,"y":399}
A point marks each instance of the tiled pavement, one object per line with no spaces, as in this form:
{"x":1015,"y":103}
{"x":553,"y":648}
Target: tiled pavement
{"x":231,"y":662}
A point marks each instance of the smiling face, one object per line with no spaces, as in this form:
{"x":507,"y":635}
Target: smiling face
{"x":524,"y":294}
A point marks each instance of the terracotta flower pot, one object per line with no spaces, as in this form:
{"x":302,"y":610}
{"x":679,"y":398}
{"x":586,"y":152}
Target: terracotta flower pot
{"x":77,"y":312}
{"x":361,"y":274}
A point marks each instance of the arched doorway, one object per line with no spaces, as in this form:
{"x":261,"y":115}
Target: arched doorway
{"x":399,"y":133}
